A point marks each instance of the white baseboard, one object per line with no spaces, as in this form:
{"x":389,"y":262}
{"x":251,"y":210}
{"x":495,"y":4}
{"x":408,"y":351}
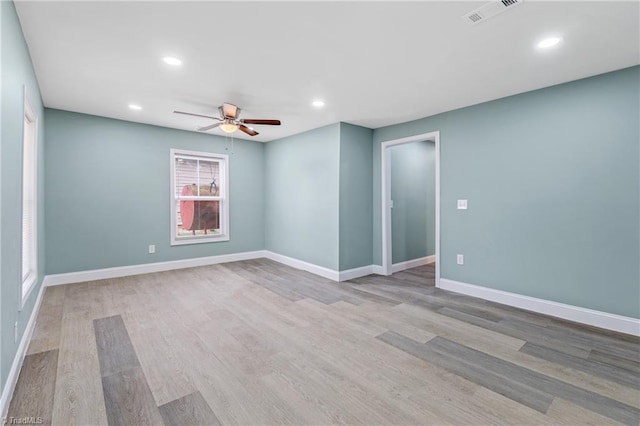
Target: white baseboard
{"x":331,"y":274}
{"x":397,"y":267}
{"x":377,"y":269}
{"x":305,"y":266}
{"x":351,"y":274}
{"x":12,"y":378}
{"x":592,"y":317}
{"x":146,"y":268}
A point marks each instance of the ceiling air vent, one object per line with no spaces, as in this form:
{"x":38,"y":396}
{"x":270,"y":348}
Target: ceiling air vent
{"x":490,"y":10}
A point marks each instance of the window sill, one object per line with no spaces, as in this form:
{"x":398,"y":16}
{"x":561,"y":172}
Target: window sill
{"x":199,"y":240}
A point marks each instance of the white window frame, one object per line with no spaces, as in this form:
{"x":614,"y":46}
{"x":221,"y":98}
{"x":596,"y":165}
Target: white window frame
{"x":29,"y":278}
{"x":223,"y":198}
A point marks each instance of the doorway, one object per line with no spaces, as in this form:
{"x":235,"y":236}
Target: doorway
{"x":391,"y":263}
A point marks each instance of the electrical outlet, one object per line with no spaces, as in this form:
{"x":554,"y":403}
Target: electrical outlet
{"x":460,"y":259}
{"x":15,"y":332}
{"x":462,"y":204}
{"x":152,"y":248}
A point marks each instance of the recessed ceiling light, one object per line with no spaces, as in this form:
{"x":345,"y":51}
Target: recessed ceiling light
{"x":549,"y":42}
{"x":318,"y":103}
{"x":136,"y":107}
{"x":170,"y":60}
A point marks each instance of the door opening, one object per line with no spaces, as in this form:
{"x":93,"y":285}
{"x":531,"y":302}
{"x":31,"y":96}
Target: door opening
{"x":400,"y":261}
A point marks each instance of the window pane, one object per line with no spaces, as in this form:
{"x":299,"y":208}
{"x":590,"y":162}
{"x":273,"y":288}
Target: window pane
{"x":197,"y":177}
{"x":197,"y":218}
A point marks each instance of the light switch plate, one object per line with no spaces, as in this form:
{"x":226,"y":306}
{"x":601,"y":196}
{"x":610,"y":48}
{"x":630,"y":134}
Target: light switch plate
{"x":462,"y":204}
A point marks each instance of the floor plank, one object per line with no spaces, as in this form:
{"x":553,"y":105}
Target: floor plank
{"x":33,"y":395}
{"x":78,"y":393}
{"x":624,"y":376}
{"x":115,"y":351}
{"x":562,"y":411}
{"x":191,"y":409}
{"x":128,"y":399}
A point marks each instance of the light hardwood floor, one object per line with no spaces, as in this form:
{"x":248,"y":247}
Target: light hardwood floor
{"x":256,"y":342}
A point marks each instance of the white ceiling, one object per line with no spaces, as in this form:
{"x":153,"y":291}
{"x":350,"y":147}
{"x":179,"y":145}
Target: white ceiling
{"x":374,"y":64}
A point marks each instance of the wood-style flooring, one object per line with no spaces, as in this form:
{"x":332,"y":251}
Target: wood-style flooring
{"x":256,"y":342}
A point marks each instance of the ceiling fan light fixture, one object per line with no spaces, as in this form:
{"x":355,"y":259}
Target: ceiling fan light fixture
{"x":229,"y":127}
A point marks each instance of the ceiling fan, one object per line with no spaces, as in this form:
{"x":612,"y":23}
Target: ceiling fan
{"x":229,"y":120}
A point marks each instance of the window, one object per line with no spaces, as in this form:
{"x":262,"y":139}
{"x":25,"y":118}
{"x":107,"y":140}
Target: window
{"x":29,"y":211}
{"x":199,"y":197}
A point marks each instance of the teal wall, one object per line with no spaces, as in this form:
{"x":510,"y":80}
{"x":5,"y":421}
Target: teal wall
{"x":17,"y":72}
{"x":302,"y":187}
{"x":413,"y":178}
{"x":552,"y":179}
{"x":108,"y":193}
{"x":356,"y":200}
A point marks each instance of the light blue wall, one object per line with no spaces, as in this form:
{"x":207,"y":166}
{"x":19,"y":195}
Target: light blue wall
{"x":413,"y":186}
{"x":356,"y":201}
{"x":552,"y":179}
{"x":108,"y":193}
{"x":17,"y":72}
{"x":302,"y":186}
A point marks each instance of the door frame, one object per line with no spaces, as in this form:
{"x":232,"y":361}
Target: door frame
{"x":434,"y":136}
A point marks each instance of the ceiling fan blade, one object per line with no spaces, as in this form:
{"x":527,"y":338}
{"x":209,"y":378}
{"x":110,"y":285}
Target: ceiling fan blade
{"x":197,"y":115}
{"x":205,"y":128}
{"x":247,"y":130}
{"x":261,"y":121}
{"x":230,"y":111}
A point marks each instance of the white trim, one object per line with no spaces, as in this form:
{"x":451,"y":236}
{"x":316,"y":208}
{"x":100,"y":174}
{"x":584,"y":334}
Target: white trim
{"x":305,"y":266}
{"x":331,"y":274}
{"x":387,"y":266}
{"x":123,"y":271}
{"x":377,"y":269}
{"x":12,"y":378}
{"x":147,"y":268}
{"x":350,"y":274}
{"x":401,"y":266}
{"x":592,"y":317}
{"x":385,"y":172}
{"x":32,"y":279}
{"x":224,"y":198}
